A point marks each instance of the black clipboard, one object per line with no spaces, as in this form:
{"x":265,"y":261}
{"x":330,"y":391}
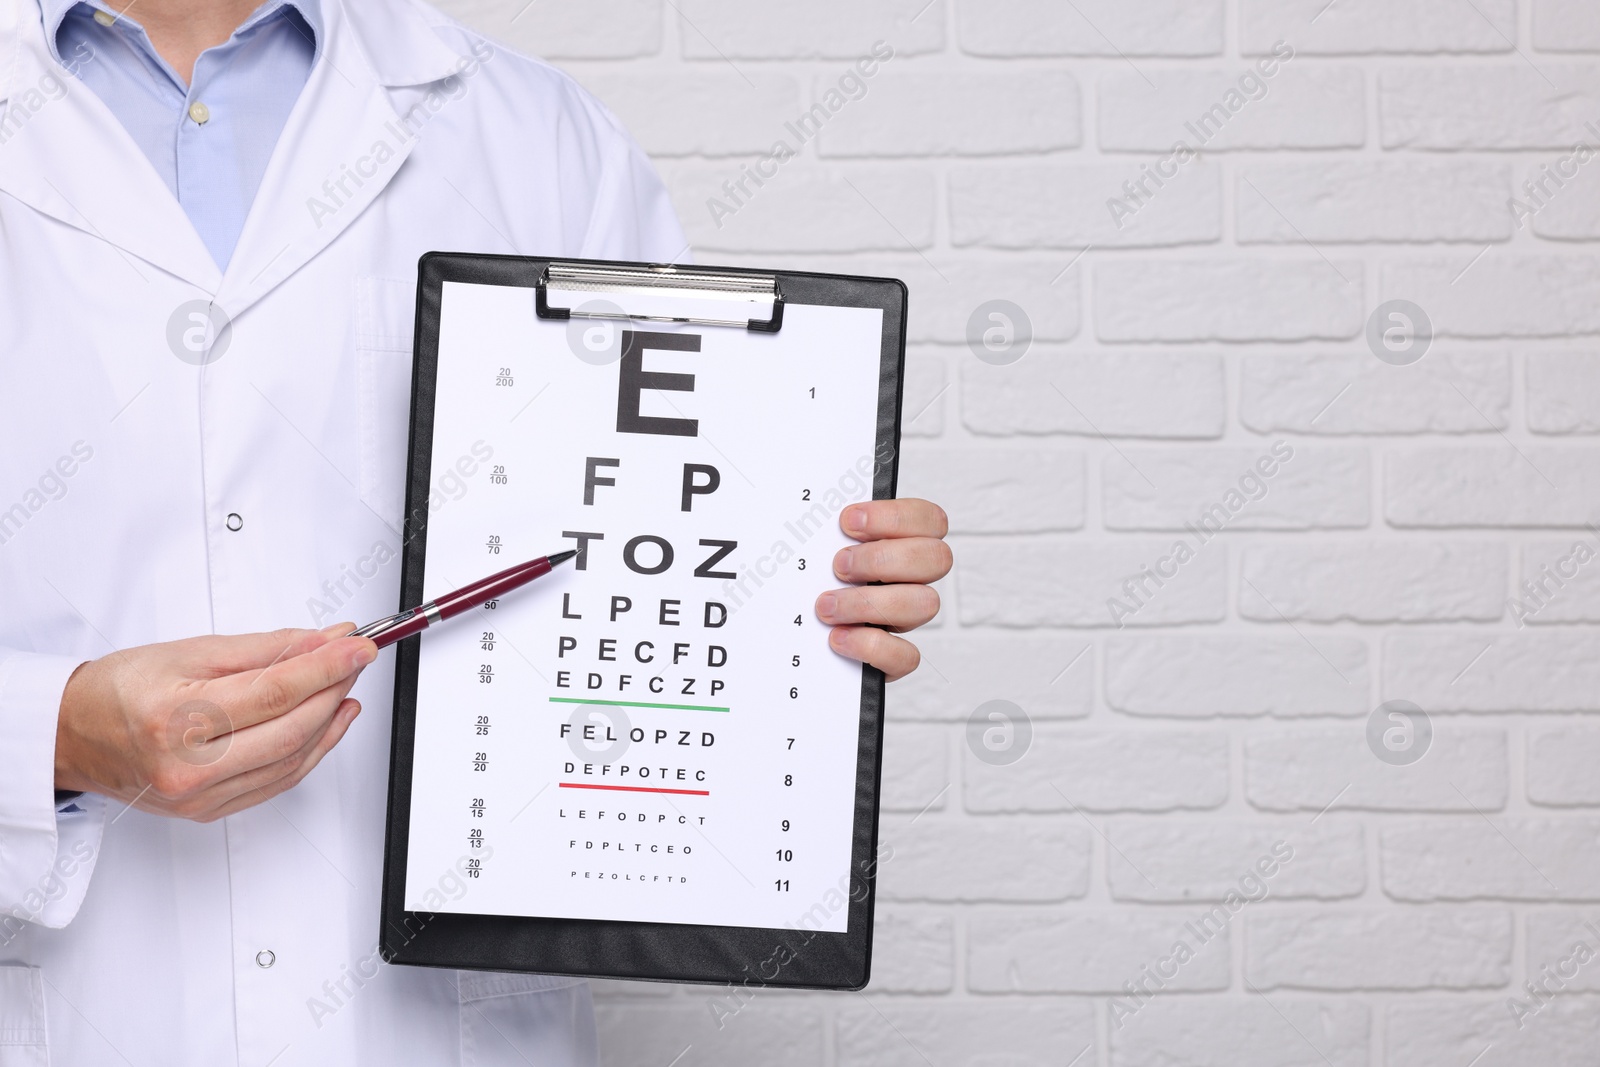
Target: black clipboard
{"x":669,"y":952}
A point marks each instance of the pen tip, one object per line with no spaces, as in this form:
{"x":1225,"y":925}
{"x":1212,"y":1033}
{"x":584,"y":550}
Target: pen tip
{"x":561,"y":557}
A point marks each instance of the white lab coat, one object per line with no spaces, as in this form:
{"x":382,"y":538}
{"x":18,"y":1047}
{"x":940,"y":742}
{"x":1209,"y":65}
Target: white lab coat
{"x":126,"y":937}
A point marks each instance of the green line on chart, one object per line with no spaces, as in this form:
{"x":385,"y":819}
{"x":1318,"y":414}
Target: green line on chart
{"x":635,"y":704}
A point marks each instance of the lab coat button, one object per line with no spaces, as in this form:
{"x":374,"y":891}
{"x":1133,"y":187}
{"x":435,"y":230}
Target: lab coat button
{"x":235,"y":521}
{"x":105,"y":18}
{"x":266,"y":958}
{"x":200,"y":113}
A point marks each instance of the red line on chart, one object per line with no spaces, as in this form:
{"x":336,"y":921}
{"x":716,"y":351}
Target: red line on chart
{"x":638,"y":789}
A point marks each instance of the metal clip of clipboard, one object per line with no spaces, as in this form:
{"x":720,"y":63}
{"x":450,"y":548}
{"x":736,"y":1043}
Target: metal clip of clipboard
{"x":661,"y":294}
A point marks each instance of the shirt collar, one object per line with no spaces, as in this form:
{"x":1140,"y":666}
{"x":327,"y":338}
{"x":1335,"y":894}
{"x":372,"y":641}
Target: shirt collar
{"x":56,"y":11}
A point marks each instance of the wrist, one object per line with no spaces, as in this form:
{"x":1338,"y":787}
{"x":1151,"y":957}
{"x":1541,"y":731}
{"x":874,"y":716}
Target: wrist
{"x":69,"y":776}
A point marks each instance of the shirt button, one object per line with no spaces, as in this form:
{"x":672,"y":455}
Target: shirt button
{"x":266,"y":958}
{"x":200,"y":113}
{"x":235,"y":521}
{"x":105,"y":18}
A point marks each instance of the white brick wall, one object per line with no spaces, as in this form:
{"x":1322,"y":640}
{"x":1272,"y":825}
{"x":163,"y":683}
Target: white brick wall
{"x":1320,"y":769}
{"x":916,"y":113}
{"x":1115,"y":394}
{"x":1005,"y":28}
{"x":1303,"y":107}
{"x":1235,"y":1032}
{"x":1429,"y":540}
{"x":1452,"y":106}
{"x":1352,"y":949}
{"x":1201,"y":677}
{"x":1120,"y":770}
{"x":1350,"y":203}
{"x":1085,"y":950}
{"x":1227,"y":299}
{"x":1434,"y":1033}
{"x":1356,"y":27}
{"x":1563,"y":393}
{"x":1064,"y":207}
{"x":1325,"y":393}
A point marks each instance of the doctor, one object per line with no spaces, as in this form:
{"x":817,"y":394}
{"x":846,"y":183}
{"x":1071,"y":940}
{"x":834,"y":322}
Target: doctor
{"x":210,"y":216}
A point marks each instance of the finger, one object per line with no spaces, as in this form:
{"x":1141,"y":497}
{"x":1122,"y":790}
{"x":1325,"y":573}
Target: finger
{"x":276,"y":739}
{"x":911,"y":559}
{"x":873,"y":520}
{"x":194,"y":769}
{"x":340,"y":724}
{"x":222,"y":655}
{"x":256,"y":775}
{"x":252,"y":697}
{"x":894,"y":656}
{"x":899,"y":607}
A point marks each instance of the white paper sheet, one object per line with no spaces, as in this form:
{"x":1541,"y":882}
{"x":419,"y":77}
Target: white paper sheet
{"x":727,"y":795}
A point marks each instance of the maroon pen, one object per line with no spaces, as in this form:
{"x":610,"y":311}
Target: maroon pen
{"x":403,"y":624}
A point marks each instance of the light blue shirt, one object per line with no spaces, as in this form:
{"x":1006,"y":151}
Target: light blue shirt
{"x":210,"y":141}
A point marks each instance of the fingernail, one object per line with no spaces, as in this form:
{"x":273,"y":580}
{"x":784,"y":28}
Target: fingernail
{"x":842,"y":565}
{"x":366,"y":654}
{"x":836,"y":638}
{"x":352,"y":711}
{"x":855,"y":519}
{"x":826,"y":603}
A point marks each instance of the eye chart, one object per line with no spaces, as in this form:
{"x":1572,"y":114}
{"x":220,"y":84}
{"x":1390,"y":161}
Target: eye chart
{"x":656,"y":733}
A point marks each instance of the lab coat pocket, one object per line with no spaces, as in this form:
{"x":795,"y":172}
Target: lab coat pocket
{"x":526,"y":1018}
{"x":384,"y":327}
{"x":24,"y":1036}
